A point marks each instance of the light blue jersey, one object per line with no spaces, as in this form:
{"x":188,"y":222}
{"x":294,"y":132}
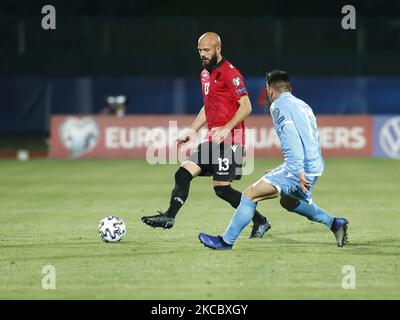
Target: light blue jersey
{"x":296,"y":127}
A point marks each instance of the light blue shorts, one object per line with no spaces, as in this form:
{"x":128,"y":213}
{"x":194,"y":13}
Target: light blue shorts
{"x":288,"y":185}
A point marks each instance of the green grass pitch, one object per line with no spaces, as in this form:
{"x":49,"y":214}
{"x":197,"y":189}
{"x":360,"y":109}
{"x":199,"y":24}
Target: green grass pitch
{"x":50,"y":210}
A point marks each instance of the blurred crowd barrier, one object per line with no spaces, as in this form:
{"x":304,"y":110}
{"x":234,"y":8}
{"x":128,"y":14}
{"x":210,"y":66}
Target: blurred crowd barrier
{"x":27,"y":103}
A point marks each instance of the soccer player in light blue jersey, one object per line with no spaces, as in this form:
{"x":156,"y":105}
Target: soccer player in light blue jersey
{"x":296,"y":126}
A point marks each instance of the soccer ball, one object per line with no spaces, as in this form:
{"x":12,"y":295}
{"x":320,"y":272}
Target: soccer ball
{"x":112,"y":229}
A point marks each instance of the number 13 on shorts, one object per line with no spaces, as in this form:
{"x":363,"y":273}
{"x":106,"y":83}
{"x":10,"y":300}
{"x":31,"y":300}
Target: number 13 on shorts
{"x":223,"y":164}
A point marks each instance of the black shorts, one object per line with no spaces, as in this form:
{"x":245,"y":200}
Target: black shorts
{"x":222,"y":161}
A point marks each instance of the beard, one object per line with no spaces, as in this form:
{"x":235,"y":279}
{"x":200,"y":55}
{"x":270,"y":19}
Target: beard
{"x":208,"y":64}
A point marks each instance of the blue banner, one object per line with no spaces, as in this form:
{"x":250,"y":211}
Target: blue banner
{"x":28,"y":102}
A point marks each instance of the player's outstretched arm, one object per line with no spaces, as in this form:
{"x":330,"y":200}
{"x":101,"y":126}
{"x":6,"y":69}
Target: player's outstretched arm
{"x":198,"y":122}
{"x":292,"y":146}
{"x":244,"y":110}
{"x":304,"y":183}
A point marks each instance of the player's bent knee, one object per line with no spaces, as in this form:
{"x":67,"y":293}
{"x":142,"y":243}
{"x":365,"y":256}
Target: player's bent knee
{"x":217,"y":183}
{"x":228,"y":194}
{"x":192,"y":167}
{"x":289,"y":203}
{"x":223,"y":191}
{"x":182,"y":176}
{"x":220,"y":191}
{"x":248,"y":193}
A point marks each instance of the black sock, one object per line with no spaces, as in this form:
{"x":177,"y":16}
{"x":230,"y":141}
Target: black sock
{"x":233,"y":196}
{"x":180,"y":192}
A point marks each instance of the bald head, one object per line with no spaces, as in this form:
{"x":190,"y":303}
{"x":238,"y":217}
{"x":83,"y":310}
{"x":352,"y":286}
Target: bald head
{"x":209,"y":47}
{"x":210,"y":38}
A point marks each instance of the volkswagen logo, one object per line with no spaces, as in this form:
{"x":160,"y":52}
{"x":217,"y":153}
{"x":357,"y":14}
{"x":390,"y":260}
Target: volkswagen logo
{"x":389,"y":138}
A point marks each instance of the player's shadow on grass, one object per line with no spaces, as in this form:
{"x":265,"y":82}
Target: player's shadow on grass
{"x":371,"y":247}
{"x":75,"y":242}
{"x":97,"y":249}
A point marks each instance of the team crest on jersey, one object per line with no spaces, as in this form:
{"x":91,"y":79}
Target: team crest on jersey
{"x":205,"y":76}
{"x":276,"y":113}
{"x":236,"y":81}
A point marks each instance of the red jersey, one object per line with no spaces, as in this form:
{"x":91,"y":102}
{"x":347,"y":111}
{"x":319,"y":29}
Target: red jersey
{"x":222,"y":87}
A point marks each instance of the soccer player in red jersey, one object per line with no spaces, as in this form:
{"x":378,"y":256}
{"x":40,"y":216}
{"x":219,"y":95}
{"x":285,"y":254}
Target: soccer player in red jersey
{"x":226,"y":105}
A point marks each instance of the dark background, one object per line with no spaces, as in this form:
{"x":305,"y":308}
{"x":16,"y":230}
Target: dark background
{"x":146,"y":50}
{"x":146,"y":38}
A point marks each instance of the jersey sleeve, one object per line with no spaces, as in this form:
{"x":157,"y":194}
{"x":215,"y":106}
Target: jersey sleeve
{"x":291,"y":144}
{"x":235,"y":82}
